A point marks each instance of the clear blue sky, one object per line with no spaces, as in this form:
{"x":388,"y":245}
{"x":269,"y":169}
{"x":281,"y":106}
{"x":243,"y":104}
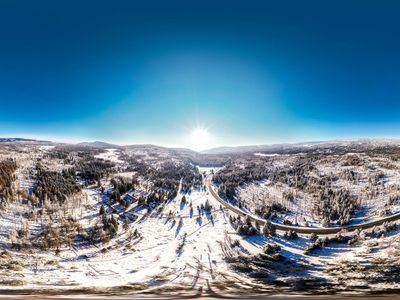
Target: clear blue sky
{"x":251,"y":72}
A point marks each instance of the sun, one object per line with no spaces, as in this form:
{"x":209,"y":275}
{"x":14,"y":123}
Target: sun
{"x":199,"y":138}
{"x":200,"y":134}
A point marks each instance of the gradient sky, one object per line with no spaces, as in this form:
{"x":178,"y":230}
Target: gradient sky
{"x":251,"y":72}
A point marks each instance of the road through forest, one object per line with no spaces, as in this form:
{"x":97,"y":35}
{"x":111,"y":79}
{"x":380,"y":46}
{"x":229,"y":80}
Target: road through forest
{"x":304,"y":230}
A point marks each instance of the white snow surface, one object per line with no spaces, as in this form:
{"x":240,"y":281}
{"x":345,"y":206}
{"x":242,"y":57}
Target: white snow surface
{"x":110,"y":155}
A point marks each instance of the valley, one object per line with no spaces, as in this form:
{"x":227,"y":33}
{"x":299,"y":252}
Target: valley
{"x":148,"y":220}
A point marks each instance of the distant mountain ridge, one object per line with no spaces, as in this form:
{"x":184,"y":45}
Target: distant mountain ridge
{"x":98,"y":144}
{"x":17,"y":139}
{"x":282,"y":148}
{"x":256,"y":148}
{"x":314,"y":145}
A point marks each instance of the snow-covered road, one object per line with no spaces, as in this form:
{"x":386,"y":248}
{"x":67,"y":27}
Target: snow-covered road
{"x":298,"y":229}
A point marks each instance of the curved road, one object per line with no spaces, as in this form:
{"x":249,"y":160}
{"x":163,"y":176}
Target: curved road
{"x":305,"y":230}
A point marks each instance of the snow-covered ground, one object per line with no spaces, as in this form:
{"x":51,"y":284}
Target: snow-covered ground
{"x":266,"y":155}
{"x":181,"y":247}
{"x":110,"y":155}
{"x":299,"y":209}
{"x":187,"y":256}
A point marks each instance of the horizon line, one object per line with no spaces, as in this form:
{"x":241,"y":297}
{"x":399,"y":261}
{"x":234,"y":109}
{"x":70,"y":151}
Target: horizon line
{"x":61,"y":141}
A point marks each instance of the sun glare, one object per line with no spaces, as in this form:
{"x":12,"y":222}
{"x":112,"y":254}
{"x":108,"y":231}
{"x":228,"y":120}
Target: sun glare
{"x":200,"y":138}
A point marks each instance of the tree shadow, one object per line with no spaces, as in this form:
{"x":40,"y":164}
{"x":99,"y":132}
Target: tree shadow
{"x":172,"y":224}
{"x":256,"y":240}
{"x":210,"y":217}
{"x":177,"y":230}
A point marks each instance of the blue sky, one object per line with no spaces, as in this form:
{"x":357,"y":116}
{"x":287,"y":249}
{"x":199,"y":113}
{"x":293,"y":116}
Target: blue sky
{"x":250,"y":72}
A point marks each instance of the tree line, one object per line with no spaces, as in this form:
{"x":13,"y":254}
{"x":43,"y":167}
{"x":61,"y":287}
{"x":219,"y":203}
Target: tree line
{"x":55,"y":186}
{"x":7,"y":177}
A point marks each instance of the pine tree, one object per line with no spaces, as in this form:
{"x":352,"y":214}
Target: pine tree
{"x":126,"y":224}
{"x":102,"y":210}
{"x":269,"y":229}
